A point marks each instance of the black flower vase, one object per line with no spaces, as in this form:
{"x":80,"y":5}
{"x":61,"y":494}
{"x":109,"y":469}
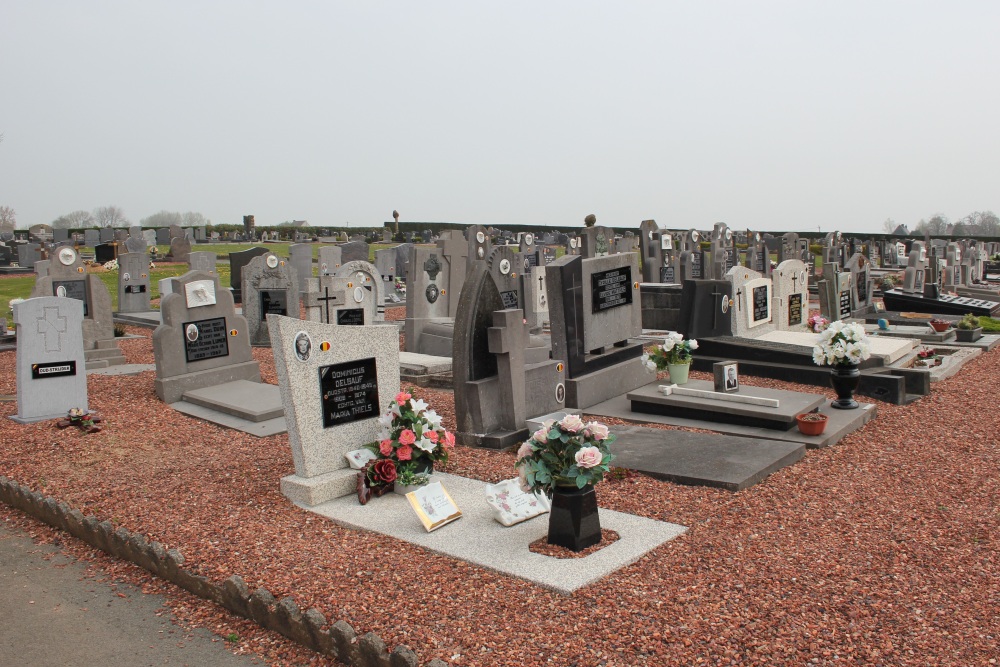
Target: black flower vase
{"x":573,"y":519}
{"x":845,"y":381}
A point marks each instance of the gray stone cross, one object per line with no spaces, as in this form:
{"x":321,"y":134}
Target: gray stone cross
{"x":51,"y":326}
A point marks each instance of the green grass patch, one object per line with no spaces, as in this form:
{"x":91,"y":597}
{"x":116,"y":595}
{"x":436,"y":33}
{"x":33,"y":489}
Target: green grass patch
{"x":989,"y":324}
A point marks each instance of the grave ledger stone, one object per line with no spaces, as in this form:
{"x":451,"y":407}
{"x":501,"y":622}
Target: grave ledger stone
{"x":335,"y":383}
{"x":269,"y":288}
{"x":51,"y":378}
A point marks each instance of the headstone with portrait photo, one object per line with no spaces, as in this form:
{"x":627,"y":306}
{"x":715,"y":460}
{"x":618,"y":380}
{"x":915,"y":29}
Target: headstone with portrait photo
{"x":335,"y":383}
{"x":269,"y":288}
{"x":429,"y":328}
{"x":133,"y":282}
{"x":67,"y":276}
{"x":349,"y":297}
{"x":753,"y":311}
{"x":791,"y":295}
{"x":201,"y":342}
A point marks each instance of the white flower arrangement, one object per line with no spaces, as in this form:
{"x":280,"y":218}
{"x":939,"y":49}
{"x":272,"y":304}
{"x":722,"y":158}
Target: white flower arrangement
{"x":14,"y":302}
{"x":675,"y":350}
{"x":842,"y":344}
{"x":111,"y":266}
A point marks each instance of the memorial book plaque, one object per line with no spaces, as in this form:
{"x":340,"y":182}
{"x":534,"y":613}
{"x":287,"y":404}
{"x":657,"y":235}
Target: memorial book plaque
{"x":760,"y":305}
{"x":273,"y":302}
{"x":205,"y":339}
{"x":53,"y":369}
{"x":349,"y":391}
{"x":611,"y":288}
{"x":72,"y":289}
{"x":794,"y":310}
{"x":509,"y":299}
{"x":433,"y":505}
{"x":351,"y":316}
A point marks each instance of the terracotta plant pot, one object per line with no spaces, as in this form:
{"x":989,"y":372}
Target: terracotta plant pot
{"x":812,"y":423}
{"x":940,"y":327}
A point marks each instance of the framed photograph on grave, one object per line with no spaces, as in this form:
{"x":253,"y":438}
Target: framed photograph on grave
{"x":727,"y":376}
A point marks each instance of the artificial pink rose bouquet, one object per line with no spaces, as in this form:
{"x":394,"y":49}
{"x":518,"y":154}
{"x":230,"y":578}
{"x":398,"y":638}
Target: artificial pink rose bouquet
{"x":567,"y":453}
{"x":412,"y":435}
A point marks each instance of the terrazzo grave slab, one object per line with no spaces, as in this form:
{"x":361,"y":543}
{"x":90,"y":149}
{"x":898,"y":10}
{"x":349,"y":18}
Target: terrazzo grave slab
{"x":888,"y":350}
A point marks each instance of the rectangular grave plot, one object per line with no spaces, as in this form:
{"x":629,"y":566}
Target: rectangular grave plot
{"x":611,"y":289}
{"x":761,"y":308}
{"x":351,"y":316}
{"x":53,"y":369}
{"x":845,"y":304}
{"x":509,"y":299}
{"x":205,"y":339}
{"x":273,"y":302}
{"x":667,"y":274}
{"x":349,"y":392}
{"x":72,"y":289}
{"x":794,"y":310}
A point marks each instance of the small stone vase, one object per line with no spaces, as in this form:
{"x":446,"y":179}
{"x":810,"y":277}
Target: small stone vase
{"x":679,"y":373}
{"x":845,"y":380}
{"x":573,"y":519}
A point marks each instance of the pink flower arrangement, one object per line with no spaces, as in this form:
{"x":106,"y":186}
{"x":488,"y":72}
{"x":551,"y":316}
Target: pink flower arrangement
{"x":567,"y":453}
{"x":412,"y":433}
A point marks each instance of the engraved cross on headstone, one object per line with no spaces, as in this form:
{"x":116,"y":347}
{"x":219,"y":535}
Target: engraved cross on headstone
{"x":51,"y":326}
{"x":326,"y":299}
{"x":739,"y":298}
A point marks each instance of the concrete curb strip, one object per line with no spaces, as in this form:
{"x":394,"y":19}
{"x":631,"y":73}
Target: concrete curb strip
{"x":339,"y":640}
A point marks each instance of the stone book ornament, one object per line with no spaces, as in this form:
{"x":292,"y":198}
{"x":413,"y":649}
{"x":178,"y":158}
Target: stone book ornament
{"x":511,"y":505}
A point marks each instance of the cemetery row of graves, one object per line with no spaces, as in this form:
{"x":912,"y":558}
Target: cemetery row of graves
{"x":476,"y":441}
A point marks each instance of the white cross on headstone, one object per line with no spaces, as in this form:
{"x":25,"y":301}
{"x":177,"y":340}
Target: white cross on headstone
{"x":51,"y":326}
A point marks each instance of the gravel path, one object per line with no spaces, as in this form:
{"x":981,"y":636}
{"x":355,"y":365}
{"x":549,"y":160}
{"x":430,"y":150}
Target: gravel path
{"x":880,"y":550}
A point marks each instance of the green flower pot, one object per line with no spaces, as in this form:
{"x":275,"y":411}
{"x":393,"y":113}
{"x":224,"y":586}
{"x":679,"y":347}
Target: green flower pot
{"x":679,"y":373}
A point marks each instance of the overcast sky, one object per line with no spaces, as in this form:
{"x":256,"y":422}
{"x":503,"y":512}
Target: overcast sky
{"x":765,"y":115}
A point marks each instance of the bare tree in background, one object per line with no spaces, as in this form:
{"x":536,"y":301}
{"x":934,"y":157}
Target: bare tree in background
{"x":889,"y":226}
{"x":981,"y":223}
{"x":8,"y":218}
{"x":938,"y":224}
{"x":193,"y":219}
{"x":75,"y":220}
{"x":110,"y":216}
{"x":161,"y":219}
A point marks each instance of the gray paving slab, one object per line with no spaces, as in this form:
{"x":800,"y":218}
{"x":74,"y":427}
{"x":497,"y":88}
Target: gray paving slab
{"x":54,"y":615}
{"x":477,"y":538}
{"x":701,"y":459}
{"x":422,"y":364}
{"x":841,"y":423}
{"x":253,"y":401}
{"x":260,"y":429}
{"x":122,"y":369}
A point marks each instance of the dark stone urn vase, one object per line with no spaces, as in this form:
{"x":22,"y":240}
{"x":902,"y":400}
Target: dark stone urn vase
{"x":845,"y":381}
{"x":573,"y":520}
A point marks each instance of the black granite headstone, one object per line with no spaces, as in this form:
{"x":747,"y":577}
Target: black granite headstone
{"x":273,"y":302}
{"x":611,"y":289}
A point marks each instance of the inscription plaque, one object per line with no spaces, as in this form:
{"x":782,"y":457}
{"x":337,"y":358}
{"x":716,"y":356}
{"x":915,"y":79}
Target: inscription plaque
{"x":135,"y":289}
{"x":273,"y":302}
{"x":509,"y":299}
{"x":696,"y":264}
{"x":349,"y":392}
{"x":667,"y":274}
{"x":53,"y":369}
{"x":210,"y":341}
{"x":351,"y":316}
{"x":761,"y":308}
{"x":611,"y":288}
{"x":72,"y":289}
{"x":845,"y":304}
{"x":862,"y":289}
{"x":794,"y":309}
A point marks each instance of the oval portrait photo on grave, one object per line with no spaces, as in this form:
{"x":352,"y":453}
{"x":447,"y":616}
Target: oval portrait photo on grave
{"x":191,"y":333}
{"x":303,"y":346}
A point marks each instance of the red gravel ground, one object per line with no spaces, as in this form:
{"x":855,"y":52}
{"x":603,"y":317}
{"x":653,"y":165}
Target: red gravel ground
{"x":881,"y":550}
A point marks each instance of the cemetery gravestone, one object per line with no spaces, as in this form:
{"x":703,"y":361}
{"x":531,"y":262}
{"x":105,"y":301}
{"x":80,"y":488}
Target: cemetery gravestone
{"x":238,"y":260}
{"x":791,"y":295}
{"x":163,"y":236}
{"x":202,"y":261}
{"x":354,"y":251}
{"x":91,"y":238}
{"x":180,"y":245}
{"x":133,"y":282}
{"x":480,"y":245}
{"x":269,"y":288}
{"x":300,"y":256}
{"x":754,"y":314}
{"x":202,"y":342}
{"x":51,"y":374}
{"x":330,"y":259}
{"x":107,"y":235}
{"x":335,"y":383}
{"x":28,"y":254}
{"x":135,"y":242}
{"x":428,"y":327}
{"x":105,"y":252}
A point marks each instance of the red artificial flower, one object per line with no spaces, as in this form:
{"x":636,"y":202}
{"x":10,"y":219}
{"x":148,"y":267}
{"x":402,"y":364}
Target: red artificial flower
{"x":385,"y":470}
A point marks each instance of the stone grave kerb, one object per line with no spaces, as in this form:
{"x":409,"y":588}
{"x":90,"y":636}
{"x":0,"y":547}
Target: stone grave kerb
{"x":50,"y":365}
{"x":335,"y":384}
{"x":754,"y":312}
{"x":67,"y":276}
{"x":791,"y":295}
{"x":269,"y":286}
{"x":133,"y":282}
{"x":198,"y":300}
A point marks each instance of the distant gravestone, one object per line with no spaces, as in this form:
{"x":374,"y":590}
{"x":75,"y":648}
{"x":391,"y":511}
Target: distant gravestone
{"x":335,"y":383}
{"x":428,"y":326}
{"x":149,"y":236}
{"x":479,"y":243}
{"x":135,"y":242}
{"x":28,"y":254}
{"x":107,"y":234}
{"x":121,"y":235}
{"x":202,"y":260}
{"x":180,"y":244}
{"x":269,"y":288}
{"x":752,"y":292}
{"x":162,"y":236}
{"x":42,"y":268}
{"x":60,"y":234}
{"x":791,"y":295}
{"x":105,"y":252}
{"x":330,"y":259}
{"x":202,"y":342}
{"x":51,"y":373}
{"x":91,"y":237}
{"x":300,"y":256}
{"x":133,"y":282}
{"x":237,"y":260}
{"x":354,"y":251}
